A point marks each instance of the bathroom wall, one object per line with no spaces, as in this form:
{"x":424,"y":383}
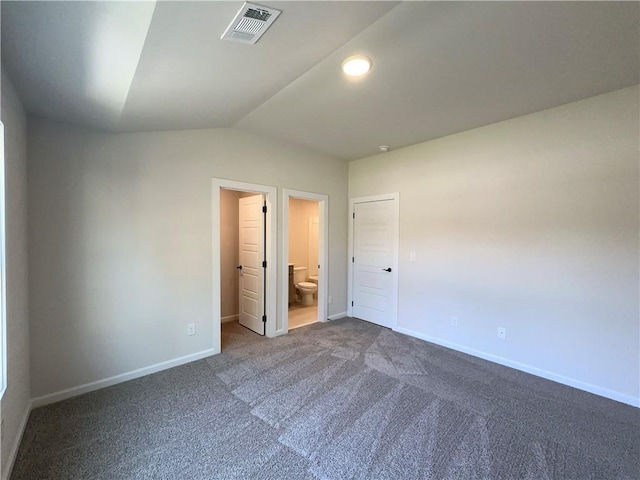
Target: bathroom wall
{"x":229,"y":257}
{"x":299,"y":213}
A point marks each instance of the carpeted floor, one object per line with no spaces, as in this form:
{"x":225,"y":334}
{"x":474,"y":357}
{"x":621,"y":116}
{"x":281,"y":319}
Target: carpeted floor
{"x":338,"y":400}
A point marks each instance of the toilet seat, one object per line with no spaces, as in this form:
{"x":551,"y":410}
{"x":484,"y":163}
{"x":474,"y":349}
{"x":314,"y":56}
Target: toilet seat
{"x":307,"y":285}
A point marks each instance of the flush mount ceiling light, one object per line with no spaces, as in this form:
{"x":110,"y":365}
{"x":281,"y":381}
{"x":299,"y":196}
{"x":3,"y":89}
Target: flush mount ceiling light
{"x":356,"y":65}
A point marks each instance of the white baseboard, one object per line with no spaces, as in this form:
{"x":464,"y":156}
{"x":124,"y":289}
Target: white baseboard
{"x":229,"y":318}
{"x":587,"y":387}
{"x":6,"y":475}
{"x":336,"y":316}
{"x":107,"y":382}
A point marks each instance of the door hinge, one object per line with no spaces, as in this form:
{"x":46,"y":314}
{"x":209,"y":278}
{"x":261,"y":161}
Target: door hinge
{"x":264,"y":319}
{"x":353,"y":259}
{"x":264,"y":264}
{"x":264,"y":209}
{"x":352,"y":303}
{"x":354,"y":215}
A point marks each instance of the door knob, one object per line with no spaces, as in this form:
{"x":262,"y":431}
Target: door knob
{"x":387,"y":269}
{"x":239,"y":267}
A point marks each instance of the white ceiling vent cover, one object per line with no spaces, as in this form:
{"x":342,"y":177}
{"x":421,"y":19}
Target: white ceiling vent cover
{"x":250,"y":23}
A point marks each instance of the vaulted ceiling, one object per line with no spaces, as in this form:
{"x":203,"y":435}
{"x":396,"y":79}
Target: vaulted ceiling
{"x":438,"y":67}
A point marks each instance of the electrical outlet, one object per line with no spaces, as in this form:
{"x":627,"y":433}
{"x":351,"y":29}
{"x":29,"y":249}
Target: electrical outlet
{"x":454,"y":321}
{"x":412,"y":256}
{"x":502,"y":333}
{"x":191,"y":329}
{"x":330,"y":299}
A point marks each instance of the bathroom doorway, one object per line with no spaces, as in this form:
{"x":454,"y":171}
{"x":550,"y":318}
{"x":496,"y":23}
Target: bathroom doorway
{"x":305,"y":255}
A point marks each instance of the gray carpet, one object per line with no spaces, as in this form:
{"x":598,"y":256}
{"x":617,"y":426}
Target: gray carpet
{"x":338,"y":400}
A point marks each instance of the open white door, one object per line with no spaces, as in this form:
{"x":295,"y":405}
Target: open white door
{"x":375,"y":253}
{"x":251,"y":253}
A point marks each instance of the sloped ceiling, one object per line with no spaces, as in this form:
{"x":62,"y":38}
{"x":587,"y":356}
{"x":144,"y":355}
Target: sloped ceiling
{"x":438,"y":67}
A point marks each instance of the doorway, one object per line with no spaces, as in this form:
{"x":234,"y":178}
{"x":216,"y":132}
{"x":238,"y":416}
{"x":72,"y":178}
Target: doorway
{"x":373,"y":270}
{"x":304,"y":254}
{"x":265,"y":314}
{"x":303,"y":262}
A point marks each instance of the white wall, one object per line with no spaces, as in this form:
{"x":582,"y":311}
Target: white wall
{"x":121,"y":241}
{"x":15,"y":403}
{"x":300,"y":211}
{"x":529,"y":224}
{"x":229,"y":256}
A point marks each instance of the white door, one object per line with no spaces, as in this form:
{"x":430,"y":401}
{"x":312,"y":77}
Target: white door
{"x":375,"y":253}
{"x":251,"y":253}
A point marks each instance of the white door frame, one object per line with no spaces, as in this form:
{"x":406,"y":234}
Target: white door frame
{"x":395,"y":196}
{"x":323,"y":254}
{"x":270,"y":194}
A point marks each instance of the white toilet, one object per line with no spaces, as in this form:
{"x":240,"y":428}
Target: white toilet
{"x":305,"y":289}
{"x":314,"y":279}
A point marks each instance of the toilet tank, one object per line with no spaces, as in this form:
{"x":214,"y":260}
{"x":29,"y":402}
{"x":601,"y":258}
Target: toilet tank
{"x":299,"y":274}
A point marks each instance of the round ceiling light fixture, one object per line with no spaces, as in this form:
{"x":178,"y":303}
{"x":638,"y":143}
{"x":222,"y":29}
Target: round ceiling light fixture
{"x":356,"y":65}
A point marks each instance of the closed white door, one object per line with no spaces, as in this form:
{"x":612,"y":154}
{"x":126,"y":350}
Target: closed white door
{"x":251,"y":253}
{"x":375,"y":253}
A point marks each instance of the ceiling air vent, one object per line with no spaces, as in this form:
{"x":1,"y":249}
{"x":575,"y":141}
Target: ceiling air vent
{"x":250,"y":23}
